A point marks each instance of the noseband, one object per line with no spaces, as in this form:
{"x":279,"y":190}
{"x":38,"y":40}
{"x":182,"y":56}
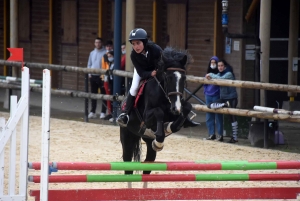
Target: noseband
{"x":165,"y":89}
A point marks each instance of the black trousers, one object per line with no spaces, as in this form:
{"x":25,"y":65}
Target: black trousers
{"x":97,"y":83}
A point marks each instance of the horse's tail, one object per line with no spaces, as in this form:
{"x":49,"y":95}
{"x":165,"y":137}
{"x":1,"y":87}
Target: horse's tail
{"x":131,"y":145}
{"x":137,"y":150}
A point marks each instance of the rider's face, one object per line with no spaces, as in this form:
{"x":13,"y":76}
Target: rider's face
{"x":138,"y":46}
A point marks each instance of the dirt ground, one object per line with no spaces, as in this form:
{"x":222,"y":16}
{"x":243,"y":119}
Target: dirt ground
{"x":73,"y":141}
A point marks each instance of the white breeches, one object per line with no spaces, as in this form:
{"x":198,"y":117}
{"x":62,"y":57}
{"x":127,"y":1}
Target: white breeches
{"x":135,"y":83}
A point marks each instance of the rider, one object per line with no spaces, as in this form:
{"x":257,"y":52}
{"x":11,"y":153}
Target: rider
{"x":144,"y":56}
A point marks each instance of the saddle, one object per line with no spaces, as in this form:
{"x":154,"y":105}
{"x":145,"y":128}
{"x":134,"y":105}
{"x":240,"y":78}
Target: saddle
{"x":141,"y":87}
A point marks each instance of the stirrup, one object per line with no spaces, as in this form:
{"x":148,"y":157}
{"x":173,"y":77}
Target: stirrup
{"x":120,"y":122}
{"x":193,"y":116}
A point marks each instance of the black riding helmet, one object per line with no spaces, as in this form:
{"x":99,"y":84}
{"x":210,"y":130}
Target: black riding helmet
{"x":138,"y":34}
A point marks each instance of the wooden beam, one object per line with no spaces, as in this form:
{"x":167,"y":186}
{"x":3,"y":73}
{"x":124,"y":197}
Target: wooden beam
{"x":247,"y":113}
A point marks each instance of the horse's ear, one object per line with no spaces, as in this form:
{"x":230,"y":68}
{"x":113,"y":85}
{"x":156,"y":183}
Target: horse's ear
{"x":183,"y":61}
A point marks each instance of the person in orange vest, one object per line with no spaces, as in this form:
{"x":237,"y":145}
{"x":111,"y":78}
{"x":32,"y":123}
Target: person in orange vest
{"x":105,"y":66}
{"x":109,"y":78}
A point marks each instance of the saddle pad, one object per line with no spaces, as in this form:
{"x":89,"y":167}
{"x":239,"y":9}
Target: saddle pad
{"x":140,"y":91}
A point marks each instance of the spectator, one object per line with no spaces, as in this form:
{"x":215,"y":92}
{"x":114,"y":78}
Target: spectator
{"x":212,"y":93}
{"x":95,"y":81}
{"x":105,"y":66}
{"x":123,"y":58}
{"x":108,"y":79}
{"x":123,"y":64}
{"x":228,"y":95}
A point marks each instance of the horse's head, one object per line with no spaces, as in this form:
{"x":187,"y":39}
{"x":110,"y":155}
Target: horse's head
{"x":174,"y":63}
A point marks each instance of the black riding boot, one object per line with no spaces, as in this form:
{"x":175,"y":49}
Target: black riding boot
{"x":123,"y":119}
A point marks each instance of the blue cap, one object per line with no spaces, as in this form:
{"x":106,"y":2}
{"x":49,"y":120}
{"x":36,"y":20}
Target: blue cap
{"x":215,"y":58}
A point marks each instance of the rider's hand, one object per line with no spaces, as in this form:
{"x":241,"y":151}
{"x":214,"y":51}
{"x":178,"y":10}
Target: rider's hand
{"x":153,"y":73}
{"x":207,"y":76}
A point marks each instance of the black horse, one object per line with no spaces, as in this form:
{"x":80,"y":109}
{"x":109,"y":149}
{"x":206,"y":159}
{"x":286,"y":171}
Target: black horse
{"x":160,"y":110}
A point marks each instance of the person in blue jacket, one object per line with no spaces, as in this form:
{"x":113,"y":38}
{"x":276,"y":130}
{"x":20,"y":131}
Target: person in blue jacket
{"x":212,"y":94}
{"x":228,"y":95}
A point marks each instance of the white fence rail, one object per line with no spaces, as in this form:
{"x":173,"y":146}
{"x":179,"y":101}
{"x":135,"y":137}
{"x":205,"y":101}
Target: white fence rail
{"x":19,"y":112}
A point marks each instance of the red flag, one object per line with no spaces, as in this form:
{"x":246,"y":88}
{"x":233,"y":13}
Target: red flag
{"x":16,"y":54}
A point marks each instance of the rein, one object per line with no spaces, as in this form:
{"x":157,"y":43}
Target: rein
{"x":167,"y":97}
{"x":170,"y":93}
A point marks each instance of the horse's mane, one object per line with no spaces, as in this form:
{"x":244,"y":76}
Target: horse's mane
{"x":172,"y":55}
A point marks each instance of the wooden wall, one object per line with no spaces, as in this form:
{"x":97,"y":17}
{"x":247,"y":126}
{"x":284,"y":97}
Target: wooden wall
{"x":200,"y":38}
{"x":1,"y":34}
{"x":75,"y":26}
{"x":236,"y":57}
{"x":144,"y":15}
{"x":87,"y":32}
{"x":37,"y":50}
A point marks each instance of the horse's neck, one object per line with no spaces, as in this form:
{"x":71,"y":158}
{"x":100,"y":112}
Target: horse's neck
{"x":156,"y":87}
{"x":160,"y":76}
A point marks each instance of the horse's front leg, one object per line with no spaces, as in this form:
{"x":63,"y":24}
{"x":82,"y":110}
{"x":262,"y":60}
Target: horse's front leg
{"x":173,"y":127}
{"x":150,"y":156}
{"x":158,"y":143}
{"x":158,"y":113}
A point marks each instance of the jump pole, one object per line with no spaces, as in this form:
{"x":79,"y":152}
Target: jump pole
{"x":171,"y":166}
{"x":167,"y":178}
{"x":171,"y":194}
{"x":45,"y":135}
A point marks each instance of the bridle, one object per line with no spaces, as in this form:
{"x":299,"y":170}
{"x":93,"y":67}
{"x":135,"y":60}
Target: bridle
{"x":165,"y":90}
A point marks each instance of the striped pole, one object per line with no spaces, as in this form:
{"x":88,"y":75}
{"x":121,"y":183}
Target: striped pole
{"x":18,"y":83}
{"x":167,"y":178}
{"x":16,"y":79}
{"x":172,"y":166}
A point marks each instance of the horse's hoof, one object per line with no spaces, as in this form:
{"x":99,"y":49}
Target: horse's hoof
{"x":157,"y":146}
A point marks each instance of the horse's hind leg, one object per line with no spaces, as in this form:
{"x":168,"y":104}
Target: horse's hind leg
{"x":150,"y":156}
{"x":130,"y":146}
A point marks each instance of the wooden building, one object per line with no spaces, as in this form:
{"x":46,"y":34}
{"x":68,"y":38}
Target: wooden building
{"x":63,"y":32}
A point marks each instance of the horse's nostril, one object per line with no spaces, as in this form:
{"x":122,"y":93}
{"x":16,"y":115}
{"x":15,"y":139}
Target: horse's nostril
{"x":175,"y":112}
